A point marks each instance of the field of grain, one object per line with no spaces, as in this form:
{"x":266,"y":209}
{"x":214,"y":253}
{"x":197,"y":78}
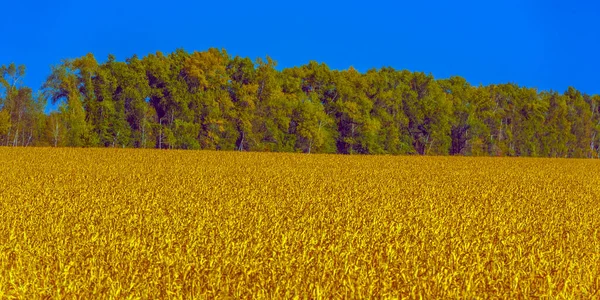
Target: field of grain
{"x":104,"y":223}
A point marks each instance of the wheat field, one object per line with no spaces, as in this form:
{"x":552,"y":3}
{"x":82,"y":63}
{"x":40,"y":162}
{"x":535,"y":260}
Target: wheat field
{"x":149,"y":224}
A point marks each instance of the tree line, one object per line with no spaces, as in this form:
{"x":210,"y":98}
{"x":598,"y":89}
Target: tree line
{"x":210,"y":100}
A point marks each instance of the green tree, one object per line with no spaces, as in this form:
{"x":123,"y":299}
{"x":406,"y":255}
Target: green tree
{"x":385,"y":89}
{"x":557,"y":126}
{"x":429,"y":114}
{"x":580,"y":116}
{"x":273,"y":109}
{"x":207,"y":79}
{"x":55,"y":133}
{"x":459,"y":93}
{"x":532,"y":112}
{"x":62,"y":86}
{"x":208,"y":100}
{"x":10,"y":79}
{"x":4,"y":124}
{"x":594,"y":103}
{"x":309,"y":124}
{"x":170,"y":98}
{"x":131,"y":95}
{"x":243,"y":91}
{"x":22,"y":117}
{"x":312,"y":89}
{"x":358,"y":131}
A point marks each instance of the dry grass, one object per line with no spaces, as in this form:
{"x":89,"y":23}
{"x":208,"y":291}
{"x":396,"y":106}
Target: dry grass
{"x":103,"y":223}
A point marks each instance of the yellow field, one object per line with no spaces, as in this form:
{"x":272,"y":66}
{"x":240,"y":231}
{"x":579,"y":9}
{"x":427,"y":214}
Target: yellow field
{"x":104,"y":223}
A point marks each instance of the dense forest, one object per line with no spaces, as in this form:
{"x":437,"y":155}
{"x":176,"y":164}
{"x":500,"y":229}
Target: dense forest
{"x":210,"y":100}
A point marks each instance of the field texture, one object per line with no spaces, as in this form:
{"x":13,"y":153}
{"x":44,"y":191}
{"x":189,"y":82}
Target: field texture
{"x":99,"y":224}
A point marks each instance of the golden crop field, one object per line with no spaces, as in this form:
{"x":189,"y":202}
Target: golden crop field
{"x":149,"y":224}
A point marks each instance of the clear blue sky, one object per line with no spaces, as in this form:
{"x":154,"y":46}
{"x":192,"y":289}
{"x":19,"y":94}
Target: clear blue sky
{"x":542,"y":44}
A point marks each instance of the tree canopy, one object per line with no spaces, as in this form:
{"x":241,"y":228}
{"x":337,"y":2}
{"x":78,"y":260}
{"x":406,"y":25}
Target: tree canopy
{"x":211,"y":100}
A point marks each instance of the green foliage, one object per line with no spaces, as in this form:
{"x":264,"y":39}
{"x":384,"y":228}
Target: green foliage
{"x":22,"y":119}
{"x":429,"y":114}
{"x":209,"y":100}
{"x":4,"y":122}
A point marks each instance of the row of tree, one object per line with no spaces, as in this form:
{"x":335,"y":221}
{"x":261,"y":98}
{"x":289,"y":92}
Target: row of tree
{"x":209,"y":100}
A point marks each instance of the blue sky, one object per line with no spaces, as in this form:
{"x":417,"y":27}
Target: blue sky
{"x":542,"y":44}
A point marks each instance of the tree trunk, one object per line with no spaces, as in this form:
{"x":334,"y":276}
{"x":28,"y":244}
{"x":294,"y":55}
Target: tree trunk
{"x":160,"y":134}
{"x":241,"y":145}
{"x":16,"y":139}
{"x":55,"y":134}
{"x":8,"y":136}
{"x":29,"y":139}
